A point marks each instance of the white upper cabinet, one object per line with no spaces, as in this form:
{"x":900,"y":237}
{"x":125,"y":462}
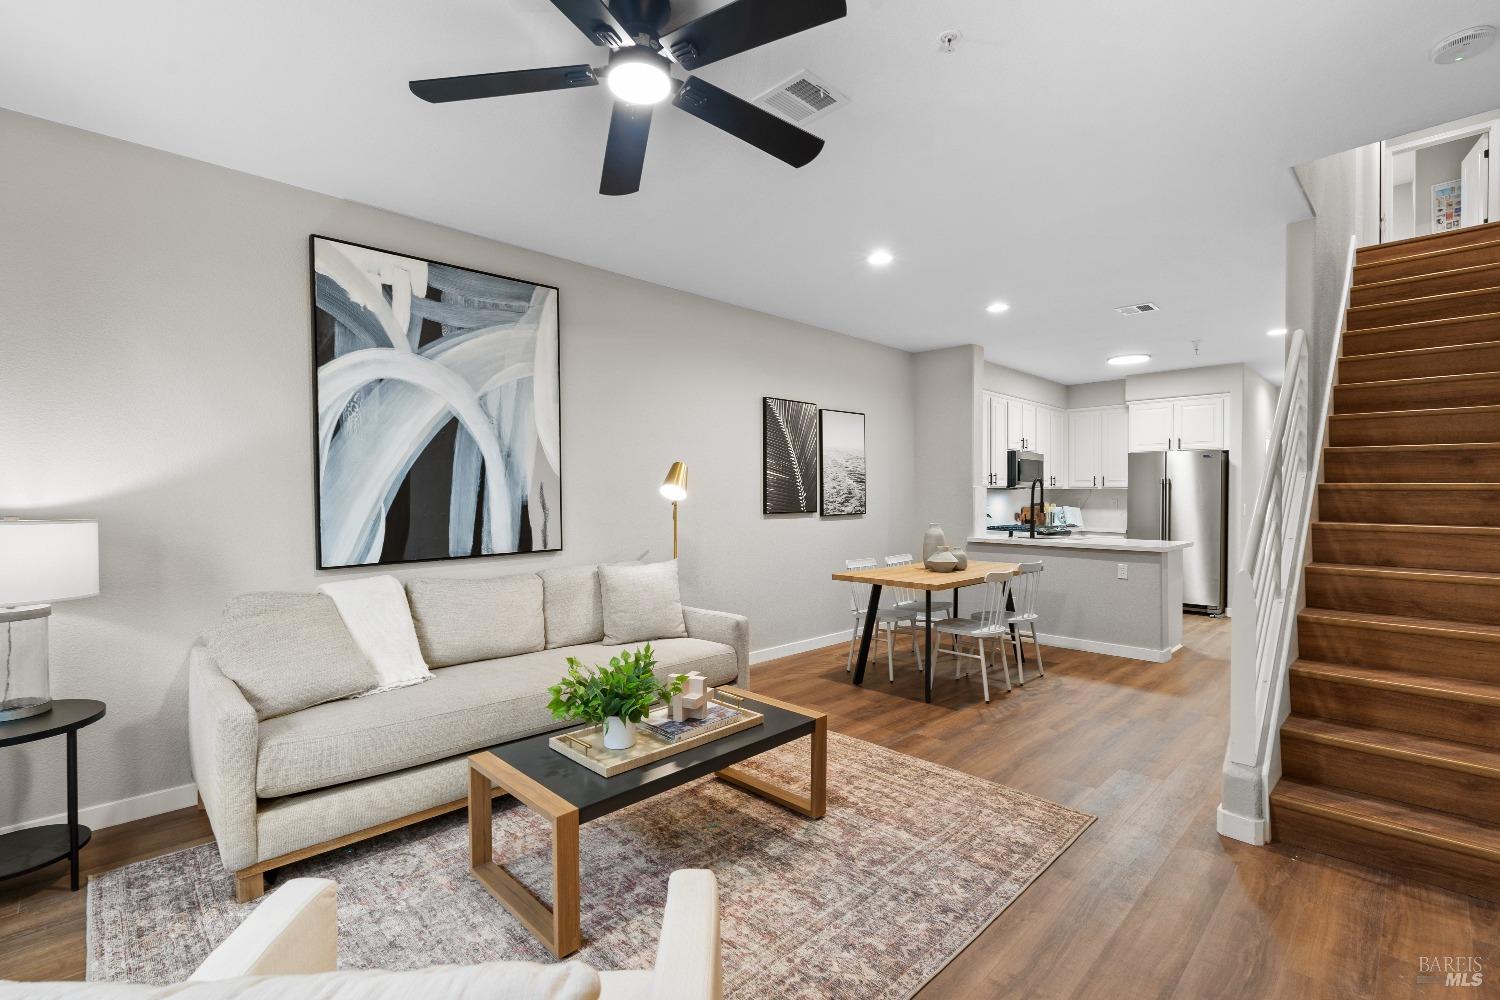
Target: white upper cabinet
{"x":1098,"y":448}
{"x":996,"y":441}
{"x":1175,"y":424}
{"x":1116,"y":468}
{"x":1012,"y":424}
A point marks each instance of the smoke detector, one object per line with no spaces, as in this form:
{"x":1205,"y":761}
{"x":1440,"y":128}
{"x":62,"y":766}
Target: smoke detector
{"x":1463,"y":45}
{"x":1136,"y":310}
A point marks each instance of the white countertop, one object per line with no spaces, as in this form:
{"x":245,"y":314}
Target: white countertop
{"x":1101,"y":543}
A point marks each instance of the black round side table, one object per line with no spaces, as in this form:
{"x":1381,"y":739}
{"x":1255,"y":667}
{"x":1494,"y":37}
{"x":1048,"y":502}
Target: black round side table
{"x":27,"y":850}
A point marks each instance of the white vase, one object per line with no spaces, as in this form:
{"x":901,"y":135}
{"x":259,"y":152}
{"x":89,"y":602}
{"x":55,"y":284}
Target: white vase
{"x":618,"y":734}
{"x":932,"y":540}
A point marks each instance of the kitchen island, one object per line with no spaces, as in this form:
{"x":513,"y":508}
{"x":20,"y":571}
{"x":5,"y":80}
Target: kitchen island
{"x":1101,"y":593}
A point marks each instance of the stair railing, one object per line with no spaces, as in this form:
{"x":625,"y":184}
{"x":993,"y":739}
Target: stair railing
{"x":1267,"y":588}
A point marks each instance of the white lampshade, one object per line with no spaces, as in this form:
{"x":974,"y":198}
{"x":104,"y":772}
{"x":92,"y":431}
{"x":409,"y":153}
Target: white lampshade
{"x":46,"y":561}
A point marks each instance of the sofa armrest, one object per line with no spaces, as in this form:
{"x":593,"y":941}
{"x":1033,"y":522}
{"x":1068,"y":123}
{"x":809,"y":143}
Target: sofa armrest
{"x":223,"y":738}
{"x":294,"y":931}
{"x":721,"y":626}
{"x":688,"y":965}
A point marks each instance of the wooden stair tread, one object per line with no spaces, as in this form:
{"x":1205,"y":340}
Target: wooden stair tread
{"x":1428,"y":254}
{"x":1428,"y":299}
{"x":1425,"y":529}
{"x":1423,"y":685}
{"x":1350,"y":487}
{"x":1410,"y":278}
{"x":1398,"y":383}
{"x":1426,"y":750}
{"x":1466,"y":446}
{"x":1417,"y":324}
{"x":1396,"y":819}
{"x":1428,"y":242}
{"x":1473,"y":631}
{"x":1431,"y":411}
{"x":1417,"y":352}
{"x":1417,"y":575}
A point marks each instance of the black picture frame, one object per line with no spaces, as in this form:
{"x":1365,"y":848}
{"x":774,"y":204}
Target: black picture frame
{"x":554,"y":540}
{"x":834,"y":474}
{"x":789,"y":456}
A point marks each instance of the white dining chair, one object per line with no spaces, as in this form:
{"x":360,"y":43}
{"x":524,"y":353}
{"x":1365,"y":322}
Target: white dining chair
{"x":907,"y":597}
{"x":888,"y":620}
{"x":1025,"y":589}
{"x":991,"y":621}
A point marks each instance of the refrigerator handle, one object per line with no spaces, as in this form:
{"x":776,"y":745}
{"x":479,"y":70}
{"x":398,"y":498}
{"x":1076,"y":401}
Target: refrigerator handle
{"x":1167,"y":510}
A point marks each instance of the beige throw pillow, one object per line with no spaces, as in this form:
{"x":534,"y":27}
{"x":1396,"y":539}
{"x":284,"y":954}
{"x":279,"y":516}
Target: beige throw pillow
{"x":642,"y":601}
{"x":461,"y":621}
{"x":575,"y":606}
{"x":288,"y":651}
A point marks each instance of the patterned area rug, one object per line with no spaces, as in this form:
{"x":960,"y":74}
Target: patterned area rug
{"x":911,"y":862}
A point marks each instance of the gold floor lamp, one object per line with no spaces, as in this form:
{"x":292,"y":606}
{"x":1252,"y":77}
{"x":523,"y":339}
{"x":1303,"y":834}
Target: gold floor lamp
{"x":674,"y":488}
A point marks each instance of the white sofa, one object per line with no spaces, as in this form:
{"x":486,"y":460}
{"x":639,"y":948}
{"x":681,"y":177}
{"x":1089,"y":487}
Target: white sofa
{"x":287,"y":949}
{"x":283,"y":788}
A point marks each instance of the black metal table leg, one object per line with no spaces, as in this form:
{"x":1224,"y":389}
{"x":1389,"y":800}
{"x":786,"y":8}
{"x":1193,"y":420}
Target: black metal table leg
{"x":73,"y":806}
{"x":927,"y":664}
{"x":864,"y":643}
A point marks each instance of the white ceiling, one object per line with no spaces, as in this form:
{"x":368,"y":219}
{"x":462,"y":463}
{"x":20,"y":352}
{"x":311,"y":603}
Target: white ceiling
{"x":1067,"y":158}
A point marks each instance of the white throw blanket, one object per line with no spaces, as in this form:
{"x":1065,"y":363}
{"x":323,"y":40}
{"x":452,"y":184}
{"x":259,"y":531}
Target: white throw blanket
{"x":375,"y":611}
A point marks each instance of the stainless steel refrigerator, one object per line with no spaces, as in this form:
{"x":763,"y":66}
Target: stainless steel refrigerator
{"x":1183,"y":496}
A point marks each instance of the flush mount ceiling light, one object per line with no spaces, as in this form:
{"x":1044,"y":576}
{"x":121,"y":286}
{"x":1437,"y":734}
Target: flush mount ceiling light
{"x":879,"y":258}
{"x":1129,"y":359}
{"x":1278,"y":332}
{"x":1463,"y":45}
{"x":639,"y":76}
{"x":996,"y":308}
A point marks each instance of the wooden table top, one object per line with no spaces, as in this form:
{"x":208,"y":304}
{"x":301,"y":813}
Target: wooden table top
{"x":919,"y":577}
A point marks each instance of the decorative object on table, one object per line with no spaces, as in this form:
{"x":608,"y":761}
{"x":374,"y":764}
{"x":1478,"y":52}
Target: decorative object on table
{"x":41,"y":563}
{"x":932,"y":540}
{"x":841,"y":462}
{"x":23,"y":851}
{"x":943,"y":560}
{"x":714,"y":716}
{"x":693,"y":700}
{"x":616,"y":697}
{"x":674,"y":488}
{"x":961,"y":556}
{"x":657,"y":737}
{"x":438,"y":409}
{"x":789,"y":456}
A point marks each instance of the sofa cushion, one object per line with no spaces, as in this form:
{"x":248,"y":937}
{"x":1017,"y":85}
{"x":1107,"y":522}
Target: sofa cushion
{"x":641,"y":602}
{"x":462,"y":709}
{"x":461,"y":621}
{"x":575,"y":608}
{"x":287,"y":652}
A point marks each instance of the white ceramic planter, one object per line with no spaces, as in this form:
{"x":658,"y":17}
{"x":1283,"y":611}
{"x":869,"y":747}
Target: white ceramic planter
{"x":618,"y":734}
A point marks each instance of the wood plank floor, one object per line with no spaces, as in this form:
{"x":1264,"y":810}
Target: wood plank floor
{"x":1150,"y":902}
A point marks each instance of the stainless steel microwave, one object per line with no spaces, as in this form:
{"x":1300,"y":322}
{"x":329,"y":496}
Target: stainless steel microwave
{"x":1022,"y":468}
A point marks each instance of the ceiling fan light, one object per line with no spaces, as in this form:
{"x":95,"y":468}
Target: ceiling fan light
{"x":639,"y":77}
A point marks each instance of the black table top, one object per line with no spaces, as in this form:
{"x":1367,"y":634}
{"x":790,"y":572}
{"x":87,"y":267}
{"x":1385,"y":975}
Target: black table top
{"x":66,"y":715}
{"x":596,"y":795}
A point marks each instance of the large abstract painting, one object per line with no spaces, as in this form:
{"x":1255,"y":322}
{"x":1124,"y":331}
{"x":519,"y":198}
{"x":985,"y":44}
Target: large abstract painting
{"x":841,"y":443}
{"x":790,"y":483}
{"x":438,"y":409}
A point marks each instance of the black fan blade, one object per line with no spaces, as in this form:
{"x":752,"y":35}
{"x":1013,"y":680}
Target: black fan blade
{"x":745,"y":24}
{"x":625,"y":152}
{"x":521,"y":81}
{"x":593,"y":18}
{"x":744,"y":120}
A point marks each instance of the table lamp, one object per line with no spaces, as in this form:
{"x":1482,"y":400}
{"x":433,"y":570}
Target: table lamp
{"x":40,"y":562}
{"x":674,"y":488}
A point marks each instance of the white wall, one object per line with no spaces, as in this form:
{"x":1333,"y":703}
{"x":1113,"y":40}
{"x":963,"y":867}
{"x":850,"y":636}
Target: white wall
{"x":157,"y":375}
{"x":998,"y":378}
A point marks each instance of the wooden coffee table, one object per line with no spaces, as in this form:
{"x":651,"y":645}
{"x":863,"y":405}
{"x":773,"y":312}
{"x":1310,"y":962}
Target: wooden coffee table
{"x":568,"y":794}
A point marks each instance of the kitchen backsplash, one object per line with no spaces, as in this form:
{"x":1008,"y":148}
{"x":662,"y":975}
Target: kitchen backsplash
{"x":1103,"y":510}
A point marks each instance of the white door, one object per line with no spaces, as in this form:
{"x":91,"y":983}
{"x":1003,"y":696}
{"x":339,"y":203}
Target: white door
{"x":1200,"y":422}
{"x":1474,"y":178}
{"x":1151,"y":426}
{"x":1013,"y":423}
{"x":1028,"y":426}
{"x":1052,"y":432}
{"x":1084,"y":438}
{"x":998,"y":441}
{"x":1115,"y":462}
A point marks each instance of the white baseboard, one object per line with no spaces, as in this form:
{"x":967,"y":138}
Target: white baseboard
{"x":1242,"y":828}
{"x":1109,"y":648}
{"x":800,"y":646}
{"x":107,"y":814}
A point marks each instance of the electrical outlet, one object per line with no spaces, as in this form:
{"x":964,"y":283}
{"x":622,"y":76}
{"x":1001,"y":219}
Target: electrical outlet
{"x":1122,"y":571}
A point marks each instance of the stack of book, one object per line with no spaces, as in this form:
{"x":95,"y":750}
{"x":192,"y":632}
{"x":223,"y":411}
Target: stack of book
{"x":670,"y":732}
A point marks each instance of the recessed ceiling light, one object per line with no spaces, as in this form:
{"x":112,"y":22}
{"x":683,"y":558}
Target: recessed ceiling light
{"x":1278,"y":332}
{"x":1130,"y":359}
{"x":879,"y":258}
{"x":995,"y":308}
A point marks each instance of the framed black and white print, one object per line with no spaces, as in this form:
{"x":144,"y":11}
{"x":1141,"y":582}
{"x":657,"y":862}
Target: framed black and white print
{"x":841,"y":462}
{"x":438,"y":410}
{"x":790,"y":456}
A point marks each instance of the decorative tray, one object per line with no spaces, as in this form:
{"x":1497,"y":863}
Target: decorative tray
{"x":586,"y":745}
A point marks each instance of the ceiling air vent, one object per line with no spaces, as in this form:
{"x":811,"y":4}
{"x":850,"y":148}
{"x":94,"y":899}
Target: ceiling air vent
{"x":801,"y":97}
{"x":1136,"y":310}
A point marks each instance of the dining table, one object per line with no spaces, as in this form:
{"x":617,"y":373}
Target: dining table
{"x":915,"y":576}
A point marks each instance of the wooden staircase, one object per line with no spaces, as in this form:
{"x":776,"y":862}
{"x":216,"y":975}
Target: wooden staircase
{"x":1391,"y":755}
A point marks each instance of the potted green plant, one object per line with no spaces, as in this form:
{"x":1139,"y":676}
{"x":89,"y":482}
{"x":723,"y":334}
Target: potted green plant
{"x":618,"y":696}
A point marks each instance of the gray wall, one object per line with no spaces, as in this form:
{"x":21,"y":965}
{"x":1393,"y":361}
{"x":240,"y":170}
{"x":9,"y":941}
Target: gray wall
{"x":1110,"y":393}
{"x":157,"y":375}
{"x":948,"y":459}
{"x":999,"y":378}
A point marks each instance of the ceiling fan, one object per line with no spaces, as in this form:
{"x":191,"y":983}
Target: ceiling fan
{"x":639,"y":74}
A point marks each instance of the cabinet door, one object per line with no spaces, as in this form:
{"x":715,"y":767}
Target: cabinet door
{"x":1013,"y":423}
{"x":1151,"y":427}
{"x":1028,"y":426}
{"x":1052,"y":437}
{"x":997,"y":441}
{"x":1115,"y":465}
{"x":1084,"y":439}
{"x":1200,"y":422}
